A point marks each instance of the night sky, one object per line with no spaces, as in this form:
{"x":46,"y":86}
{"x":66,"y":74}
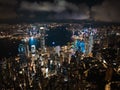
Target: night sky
{"x":101,"y":10}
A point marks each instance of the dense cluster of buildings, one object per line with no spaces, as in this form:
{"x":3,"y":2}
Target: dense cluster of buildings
{"x":89,"y":61}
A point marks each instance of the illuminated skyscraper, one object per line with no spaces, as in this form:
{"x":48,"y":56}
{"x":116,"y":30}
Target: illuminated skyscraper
{"x":42,"y":38}
{"x":90,"y":43}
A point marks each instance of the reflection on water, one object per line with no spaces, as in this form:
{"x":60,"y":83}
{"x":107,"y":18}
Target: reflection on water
{"x":8,"y":47}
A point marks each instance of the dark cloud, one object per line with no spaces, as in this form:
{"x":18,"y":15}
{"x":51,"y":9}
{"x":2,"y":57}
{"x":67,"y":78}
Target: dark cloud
{"x":8,"y":2}
{"x":7,"y":14}
{"x":109,"y":11}
{"x":57,"y":6}
{"x":80,"y":14}
{"x":7,"y":9}
{"x":60,"y":9}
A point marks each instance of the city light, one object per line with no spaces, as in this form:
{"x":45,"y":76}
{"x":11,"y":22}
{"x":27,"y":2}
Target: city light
{"x":41,"y":28}
{"x":88,"y":56}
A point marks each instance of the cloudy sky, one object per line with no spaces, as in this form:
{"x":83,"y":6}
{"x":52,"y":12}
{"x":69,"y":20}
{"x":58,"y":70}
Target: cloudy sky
{"x":101,"y":10}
